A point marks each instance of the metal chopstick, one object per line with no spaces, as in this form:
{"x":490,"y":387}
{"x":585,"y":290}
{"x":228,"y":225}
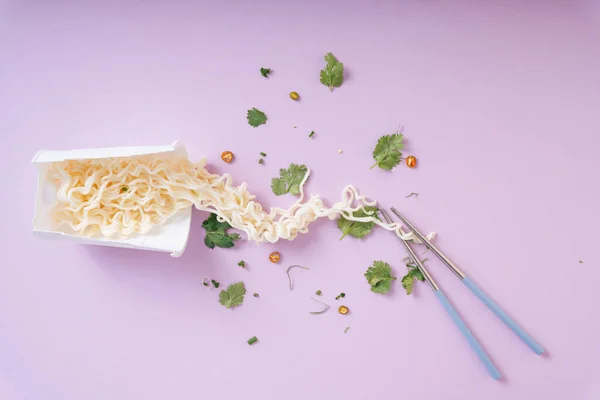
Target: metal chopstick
{"x":460,"y":324}
{"x":491,"y":304}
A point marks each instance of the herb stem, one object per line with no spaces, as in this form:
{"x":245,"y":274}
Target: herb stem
{"x":325,"y":308}
{"x":290,"y":277}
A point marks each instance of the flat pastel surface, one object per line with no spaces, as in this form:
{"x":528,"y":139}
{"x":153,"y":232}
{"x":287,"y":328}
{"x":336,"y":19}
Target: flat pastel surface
{"x":499,"y":101}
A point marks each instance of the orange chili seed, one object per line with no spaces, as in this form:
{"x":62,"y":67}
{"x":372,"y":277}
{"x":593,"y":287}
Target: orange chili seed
{"x":343,"y":310}
{"x":411,"y":161}
{"x":227,"y":156}
{"x":274,"y":257}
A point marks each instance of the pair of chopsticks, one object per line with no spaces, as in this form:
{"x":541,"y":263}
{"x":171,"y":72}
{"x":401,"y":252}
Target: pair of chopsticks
{"x":460,"y":324}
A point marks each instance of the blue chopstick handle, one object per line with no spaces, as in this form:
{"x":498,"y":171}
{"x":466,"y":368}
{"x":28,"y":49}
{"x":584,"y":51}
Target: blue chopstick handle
{"x":485,"y":359}
{"x":511,"y":323}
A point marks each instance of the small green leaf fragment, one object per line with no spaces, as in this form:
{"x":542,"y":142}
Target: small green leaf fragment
{"x":265,"y":72}
{"x":252,"y":340}
{"x":256,"y":117}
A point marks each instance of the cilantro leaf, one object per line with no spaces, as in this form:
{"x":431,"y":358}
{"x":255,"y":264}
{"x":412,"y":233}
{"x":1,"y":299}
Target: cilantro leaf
{"x":380,"y":277}
{"x":408,"y":279}
{"x":256,"y":117}
{"x":216,"y":233}
{"x":358,"y":229}
{"x":233,"y":296}
{"x":387,"y":153}
{"x":333,"y":73}
{"x":265,"y":72}
{"x":407,"y":283}
{"x":289,"y":180}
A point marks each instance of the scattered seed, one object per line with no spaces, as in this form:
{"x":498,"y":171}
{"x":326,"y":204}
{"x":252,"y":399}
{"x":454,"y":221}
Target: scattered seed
{"x":343,"y":310}
{"x":340,"y":151}
{"x":346,"y":330}
{"x":252,"y":340}
{"x":255,"y":294}
{"x":318,"y":293}
{"x":311,"y":134}
{"x":294,"y":96}
{"x":263,"y":154}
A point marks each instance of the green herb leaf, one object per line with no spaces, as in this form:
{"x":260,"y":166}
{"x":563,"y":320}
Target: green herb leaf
{"x":408,"y":279}
{"x":256,"y":117}
{"x":333,"y":73}
{"x":215,"y":283}
{"x":379,"y":276}
{"x":289,"y":180}
{"x":242,"y":264}
{"x":252,"y":340}
{"x":311,"y":134}
{"x":216,"y":233}
{"x":233,"y":296}
{"x":387,"y":153}
{"x":358,"y":229}
{"x":265,"y":72}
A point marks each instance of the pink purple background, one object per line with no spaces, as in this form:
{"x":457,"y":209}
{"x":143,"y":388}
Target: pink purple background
{"x":500,"y":103}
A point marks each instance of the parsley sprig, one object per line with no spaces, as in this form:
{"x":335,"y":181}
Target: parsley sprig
{"x":333,"y":73}
{"x":409,"y":278}
{"x":233,"y":296}
{"x":289,"y":180}
{"x":387,"y":153}
{"x":357,"y":229}
{"x":379,"y":276}
{"x":256,"y":117}
{"x":216,"y":233}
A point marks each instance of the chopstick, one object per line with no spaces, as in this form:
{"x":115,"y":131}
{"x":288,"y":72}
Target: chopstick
{"x":491,"y":304}
{"x":460,"y":324}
